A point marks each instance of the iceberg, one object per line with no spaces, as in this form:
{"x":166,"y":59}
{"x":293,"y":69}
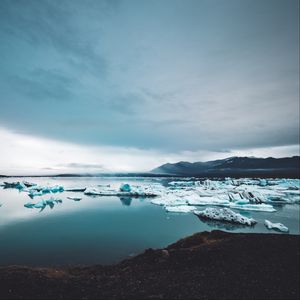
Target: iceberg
{"x":225,"y":215}
{"x":180,"y":209}
{"x":14,"y":185}
{"x":125,"y":187}
{"x":39,"y":191}
{"x":276,"y":226}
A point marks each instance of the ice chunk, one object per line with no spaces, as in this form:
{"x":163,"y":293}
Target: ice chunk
{"x":180,"y":209}
{"x":263,"y":182}
{"x":181,"y":183}
{"x":224,"y":214}
{"x":207,"y":201}
{"x":170,"y":201}
{"x":254,"y":207}
{"x":276,"y":226}
{"x":134,"y":192}
{"x":76,"y":189}
{"x":29,"y":184}
{"x":39,"y":191}
{"x":14,"y":185}
{"x":74,"y":198}
{"x":125,"y":187}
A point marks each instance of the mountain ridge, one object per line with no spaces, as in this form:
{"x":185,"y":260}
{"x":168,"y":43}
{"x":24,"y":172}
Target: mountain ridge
{"x":234,"y":166}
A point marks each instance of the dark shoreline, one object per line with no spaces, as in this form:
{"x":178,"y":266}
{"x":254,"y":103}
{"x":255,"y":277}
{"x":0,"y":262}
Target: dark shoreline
{"x":203,"y":266}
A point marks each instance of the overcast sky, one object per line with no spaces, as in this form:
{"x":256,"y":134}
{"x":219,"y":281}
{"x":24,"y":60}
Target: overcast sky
{"x":127,"y":85}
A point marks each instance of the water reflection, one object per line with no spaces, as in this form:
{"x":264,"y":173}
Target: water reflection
{"x":126,"y":200}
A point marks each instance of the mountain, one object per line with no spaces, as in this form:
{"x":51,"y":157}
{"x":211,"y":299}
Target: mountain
{"x":235,"y":166}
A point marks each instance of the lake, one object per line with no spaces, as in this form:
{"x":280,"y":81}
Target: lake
{"x":102,"y":230}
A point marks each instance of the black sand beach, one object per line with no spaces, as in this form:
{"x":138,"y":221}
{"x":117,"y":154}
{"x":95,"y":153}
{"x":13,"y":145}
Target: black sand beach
{"x":203,"y":266}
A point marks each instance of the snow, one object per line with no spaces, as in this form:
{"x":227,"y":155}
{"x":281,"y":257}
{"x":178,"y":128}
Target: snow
{"x":180,"y":209}
{"x":254,"y":207}
{"x":225,"y":215}
{"x":276,"y":226}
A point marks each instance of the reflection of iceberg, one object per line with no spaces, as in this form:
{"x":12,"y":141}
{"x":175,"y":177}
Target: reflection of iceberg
{"x":226,"y":215}
{"x":276,"y":226}
{"x":42,"y":204}
{"x":126,"y":200}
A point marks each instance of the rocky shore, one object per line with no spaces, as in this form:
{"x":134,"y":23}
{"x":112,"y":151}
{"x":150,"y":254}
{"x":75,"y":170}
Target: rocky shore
{"x":215,"y":265}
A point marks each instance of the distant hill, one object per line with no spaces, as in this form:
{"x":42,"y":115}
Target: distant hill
{"x":235,"y":166}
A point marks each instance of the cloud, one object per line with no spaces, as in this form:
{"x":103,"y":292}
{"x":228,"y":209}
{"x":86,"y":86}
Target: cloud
{"x":28,"y":155}
{"x":172,"y":76}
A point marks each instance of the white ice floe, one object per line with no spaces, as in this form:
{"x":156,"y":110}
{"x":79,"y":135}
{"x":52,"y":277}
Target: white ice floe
{"x":207,"y":201}
{"x":225,"y":215}
{"x":276,"y":226}
{"x":124,"y":190}
{"x":182,"y":183}
{"x":180,"y":209}
{"x":254,"y":207}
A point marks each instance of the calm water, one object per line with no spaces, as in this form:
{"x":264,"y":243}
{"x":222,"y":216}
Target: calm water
{"x":101,"y":230}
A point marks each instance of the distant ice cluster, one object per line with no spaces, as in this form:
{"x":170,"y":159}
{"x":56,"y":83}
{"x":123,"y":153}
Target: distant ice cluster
{"x":221,"y":200}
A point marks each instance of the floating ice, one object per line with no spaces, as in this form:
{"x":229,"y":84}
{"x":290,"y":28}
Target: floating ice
{"x":29,"y":184}
{"x":74,"y":198}
{"x":180,"y":209}
{"x":224,"y":214}
{"x":276,"y":226}
{"x":134,"y":192}
{"x":76,"y":189}
{"x":42,"y":204}
{"x":207,"y":201}
{"x":254,"y":207}
{"x":39,"y":191}
{"x":182,"y":183}
{"x":14,"y":185}
{"x":125,"y":187}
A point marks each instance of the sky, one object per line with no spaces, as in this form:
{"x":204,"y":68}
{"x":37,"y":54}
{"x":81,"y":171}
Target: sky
{"x":126,"y":85}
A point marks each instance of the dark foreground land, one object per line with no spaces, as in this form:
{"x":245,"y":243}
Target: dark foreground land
{"x":214,"y":265}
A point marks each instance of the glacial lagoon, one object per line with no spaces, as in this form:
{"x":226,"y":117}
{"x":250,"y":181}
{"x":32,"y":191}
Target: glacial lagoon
{"x":81,"y":229}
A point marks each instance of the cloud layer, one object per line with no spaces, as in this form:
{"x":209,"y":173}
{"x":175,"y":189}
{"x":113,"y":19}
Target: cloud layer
{"x":173,"y":76}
